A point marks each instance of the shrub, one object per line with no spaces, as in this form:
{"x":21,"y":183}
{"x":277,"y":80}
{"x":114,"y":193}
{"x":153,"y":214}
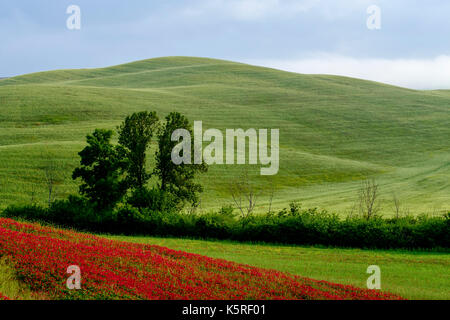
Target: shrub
{"x":29,"y":212}
{"x":153,"y":200}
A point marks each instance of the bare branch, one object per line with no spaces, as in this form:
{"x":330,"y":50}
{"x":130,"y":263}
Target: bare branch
{"x":244,"y":195}
{"x":368,"y":199}
{"x":51,"y":176}
{"x":397,"y":206}
{"x":271,"y":194}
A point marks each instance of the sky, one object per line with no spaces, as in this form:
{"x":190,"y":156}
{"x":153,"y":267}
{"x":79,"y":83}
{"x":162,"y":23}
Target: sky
{"x":411,"y":47}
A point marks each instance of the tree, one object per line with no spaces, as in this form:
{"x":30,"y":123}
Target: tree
{"x":135,"y":135}
{"x":271,"y":195}
{"x":50,"y":175}
{"x":102,"y":166}
{"x":245,"y":195}
{"x":397,"y":205}
{"x":178,"y":179}
{"x":368,"y":199}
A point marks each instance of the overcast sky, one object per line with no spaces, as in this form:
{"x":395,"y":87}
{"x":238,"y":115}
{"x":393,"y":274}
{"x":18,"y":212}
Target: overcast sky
{"x":412,"y":48}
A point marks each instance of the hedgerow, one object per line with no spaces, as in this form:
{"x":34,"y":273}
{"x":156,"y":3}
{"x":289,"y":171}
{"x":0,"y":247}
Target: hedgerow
{"x":296,"y":226}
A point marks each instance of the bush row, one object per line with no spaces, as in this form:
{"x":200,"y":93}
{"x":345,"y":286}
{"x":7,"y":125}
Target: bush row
{"x":294,"y":226}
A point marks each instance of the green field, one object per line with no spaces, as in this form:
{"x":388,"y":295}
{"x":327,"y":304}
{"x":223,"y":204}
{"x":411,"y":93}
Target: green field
{"x":413,"y":275}
{"x":334,"y":131}
{"x":11,"y":286}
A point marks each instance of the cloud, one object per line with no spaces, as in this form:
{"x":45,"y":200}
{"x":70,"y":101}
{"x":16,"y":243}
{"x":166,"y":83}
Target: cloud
{"x":249,"y":10}
{"x":409,"y":73}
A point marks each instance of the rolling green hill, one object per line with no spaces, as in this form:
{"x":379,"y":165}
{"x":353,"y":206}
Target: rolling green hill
{"x":334,"y":131}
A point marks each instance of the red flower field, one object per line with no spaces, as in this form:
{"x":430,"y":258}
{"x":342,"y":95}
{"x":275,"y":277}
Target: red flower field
{"x":120,"y":270}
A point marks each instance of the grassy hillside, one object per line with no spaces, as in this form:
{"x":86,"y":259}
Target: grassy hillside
{"x":333,"y":130}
